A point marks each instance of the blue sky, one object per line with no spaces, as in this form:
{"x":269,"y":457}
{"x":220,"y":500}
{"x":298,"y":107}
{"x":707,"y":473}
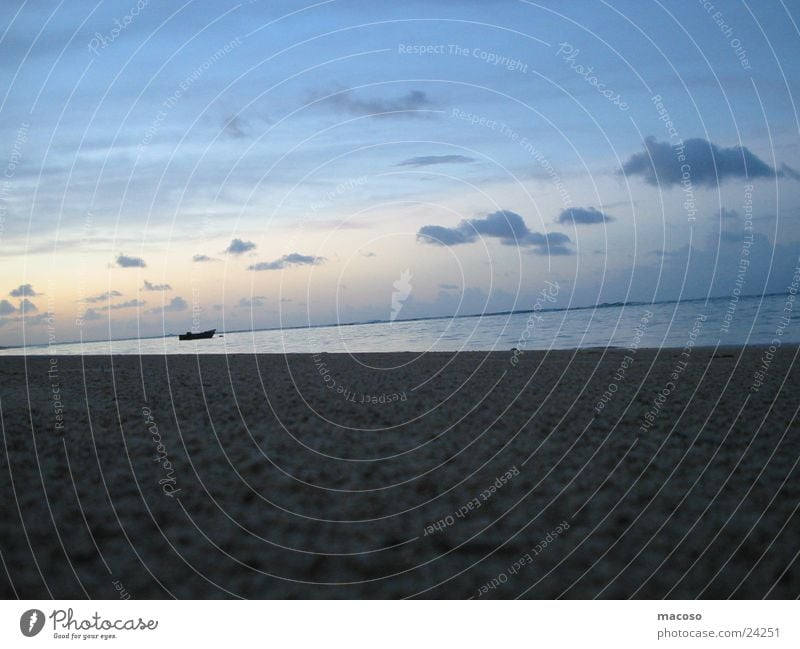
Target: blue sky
{"x":485,"y":147}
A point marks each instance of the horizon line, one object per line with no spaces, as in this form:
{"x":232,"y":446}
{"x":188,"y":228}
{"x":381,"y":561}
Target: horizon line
{"x":599,"y":305}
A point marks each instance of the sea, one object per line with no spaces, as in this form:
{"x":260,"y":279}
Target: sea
{"x":722,"y":321}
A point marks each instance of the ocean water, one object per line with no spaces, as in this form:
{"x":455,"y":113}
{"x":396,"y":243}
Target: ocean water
{"x":751,"y":320}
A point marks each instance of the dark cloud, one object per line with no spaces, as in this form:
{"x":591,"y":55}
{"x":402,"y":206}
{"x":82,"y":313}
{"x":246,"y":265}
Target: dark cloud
{"x":583,"y":216}
{"x":430,"y":160}
{"x":408,"y":105}
{"x":26,"y":306}
{"x":293,"y":259}
{"x":124,"y":261}
{"x":440,"y":235}
{"x":174,"y":305}
{"x":255,"y":301}
{"x":239,"y":247}
{"x":708,"y":164}
{"x":296,"y":258}
{"x":24,"y":290}
{"x":91,"y":314}
{"x":123,"y":305}
{"x":103,"y":297}
{"x":505,"y":225}
{"x":203,"y":258}
{"x":155,"y":287}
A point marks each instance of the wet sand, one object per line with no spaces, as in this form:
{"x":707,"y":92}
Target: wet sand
{"x":565,"y":474}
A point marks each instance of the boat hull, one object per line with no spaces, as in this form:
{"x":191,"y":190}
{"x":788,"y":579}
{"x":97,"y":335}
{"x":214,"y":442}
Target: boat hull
{"x":198,"y":336}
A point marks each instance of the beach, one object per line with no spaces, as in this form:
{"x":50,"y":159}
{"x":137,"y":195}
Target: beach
{"x":609,"y":473}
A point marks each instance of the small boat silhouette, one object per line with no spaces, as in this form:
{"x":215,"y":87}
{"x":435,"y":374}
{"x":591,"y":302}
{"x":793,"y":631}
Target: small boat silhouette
{"x":198,"y":336}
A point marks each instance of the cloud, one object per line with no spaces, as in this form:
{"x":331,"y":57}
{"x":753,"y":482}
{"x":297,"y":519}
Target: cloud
{"x":36,"y":320}
{"x":173,"y":306}
{"x":450,"y":287}
{"x":94,"y":299}
{"x":293,"y":259}
{"x":430,"y":160}
{"x":733,"y":215}
{"x":551,"y":243}
{"x":583,"y":216}
{"x":255,"y":301}
{"x":729,"y":236}
{"x":706,"y":163}
{"x":787,"y":172}
{"x":123,"y":305}
{"x":368,"y":253}
{"x":440,"y":235}
{"x":239,"y":247}
{"x":91,"y":314}
{"x":24,"y":290}
{"x":155,"y":287}
{"x":407,"y":105}
{"x":124,"y":261}
{"x":505,"y":225}
{"x":203,"y":258}
{"x":235,"y":127}
{"x":27,"y":306}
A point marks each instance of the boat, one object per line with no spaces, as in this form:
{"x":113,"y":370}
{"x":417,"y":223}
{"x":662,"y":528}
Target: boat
{"x":198,"y":336}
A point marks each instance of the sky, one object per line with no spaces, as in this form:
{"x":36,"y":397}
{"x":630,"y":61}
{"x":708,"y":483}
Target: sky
{"x":183,"y":166}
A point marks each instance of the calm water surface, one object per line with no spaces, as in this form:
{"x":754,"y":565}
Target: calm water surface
{"x":756,"y":320}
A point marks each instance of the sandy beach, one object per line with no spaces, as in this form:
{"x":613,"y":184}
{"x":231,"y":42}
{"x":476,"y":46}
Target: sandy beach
{"x":595,"y":473}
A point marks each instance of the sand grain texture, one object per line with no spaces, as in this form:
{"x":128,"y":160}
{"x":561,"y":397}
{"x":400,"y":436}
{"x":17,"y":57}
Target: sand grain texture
{"x":289,"y":488}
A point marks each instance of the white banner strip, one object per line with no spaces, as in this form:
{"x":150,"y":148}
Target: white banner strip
{"x":372,"y":624}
